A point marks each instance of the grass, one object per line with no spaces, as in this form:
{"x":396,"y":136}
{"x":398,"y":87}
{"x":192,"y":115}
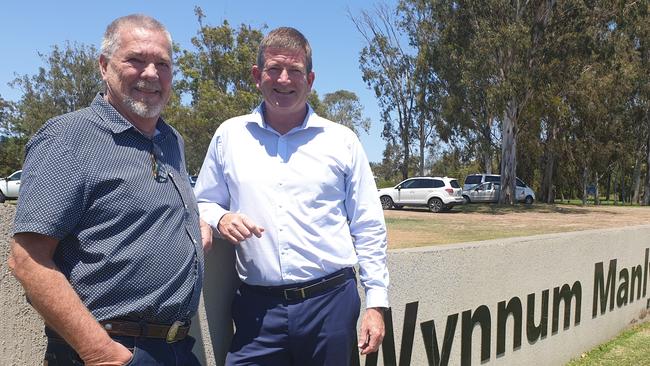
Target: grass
{"x":414,"y":227}
{"x":632,"y":347}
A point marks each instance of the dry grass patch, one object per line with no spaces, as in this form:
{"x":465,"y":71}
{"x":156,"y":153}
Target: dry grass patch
{"x":414,"y":227}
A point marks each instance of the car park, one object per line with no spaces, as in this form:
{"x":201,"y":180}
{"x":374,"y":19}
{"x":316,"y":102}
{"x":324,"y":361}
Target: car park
{"x":10,"y":186}
{"x":436,"y":193}
{"x":489,"y":192}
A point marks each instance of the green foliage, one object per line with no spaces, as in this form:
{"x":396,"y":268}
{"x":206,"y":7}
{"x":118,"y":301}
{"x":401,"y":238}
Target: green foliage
{"x":216,"y":77}
{"x":343,"y":107}
{"x":69,"y":81}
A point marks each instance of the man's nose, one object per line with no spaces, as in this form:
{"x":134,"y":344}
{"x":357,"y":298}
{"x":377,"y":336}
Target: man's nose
{"x":284,"y":75}
{"x":150,"y":71}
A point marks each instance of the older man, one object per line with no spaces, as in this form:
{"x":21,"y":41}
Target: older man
{"x":295,"y":193}
{"x":107,"y":241}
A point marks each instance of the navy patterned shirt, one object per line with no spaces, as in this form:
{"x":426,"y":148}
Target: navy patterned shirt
{"x":123,"y":210}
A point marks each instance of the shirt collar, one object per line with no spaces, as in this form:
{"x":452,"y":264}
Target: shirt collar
{"x":115,"y":122}
{"x":312,"y":120}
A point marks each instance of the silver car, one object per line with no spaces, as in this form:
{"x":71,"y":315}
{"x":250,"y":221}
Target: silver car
{"x":489,"y":192}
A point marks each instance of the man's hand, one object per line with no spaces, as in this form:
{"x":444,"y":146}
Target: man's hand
{"x":114,"y":354}
{"x":206,"y":235}
{"x":236,"y":227}
{"x":372,"y":331}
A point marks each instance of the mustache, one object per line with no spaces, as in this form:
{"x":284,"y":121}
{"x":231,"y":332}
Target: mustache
{"x":148,"y":85}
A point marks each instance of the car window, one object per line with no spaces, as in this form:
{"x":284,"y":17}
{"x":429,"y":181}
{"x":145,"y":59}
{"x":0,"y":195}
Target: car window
{"x":15,"y":176}
{"x":492,"y":178}
{"x":425,"y":183}
{"x":520,"y":183}
{"x":408,"y":184}
{"x":454,"y":183}
{"x":473,"y":179}
{"x":437,"y":183}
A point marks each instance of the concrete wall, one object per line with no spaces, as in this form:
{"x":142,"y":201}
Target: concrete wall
{"x":454,"y":283}
{"x":442,"y":287}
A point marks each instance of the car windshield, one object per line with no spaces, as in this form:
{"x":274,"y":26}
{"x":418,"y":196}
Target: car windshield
{"x":473,"y":179}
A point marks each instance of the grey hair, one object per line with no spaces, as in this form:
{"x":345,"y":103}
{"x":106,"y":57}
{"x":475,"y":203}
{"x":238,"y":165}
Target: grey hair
{"x":111,"y":40}
{"x":287,"y":38}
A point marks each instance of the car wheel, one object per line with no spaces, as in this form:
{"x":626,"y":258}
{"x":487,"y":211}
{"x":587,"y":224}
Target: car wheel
{"x":435,"y":205}
{"x":467,"y":200}
{"x":2,"y":197}
{"x":529,"y":200}
{"x":386,"y":202}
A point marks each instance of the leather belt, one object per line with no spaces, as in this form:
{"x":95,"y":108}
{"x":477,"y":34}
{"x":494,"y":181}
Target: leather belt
{"x":305,"y":290}
{"x":124,"y":328}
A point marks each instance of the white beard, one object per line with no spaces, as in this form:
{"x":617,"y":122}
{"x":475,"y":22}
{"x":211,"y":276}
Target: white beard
{"x":142,"y":109}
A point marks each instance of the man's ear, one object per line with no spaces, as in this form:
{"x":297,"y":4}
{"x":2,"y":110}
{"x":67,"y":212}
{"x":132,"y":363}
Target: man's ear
{"x":257,"y":75}
{"x":310,"y":79}
{"x":103,"y":65}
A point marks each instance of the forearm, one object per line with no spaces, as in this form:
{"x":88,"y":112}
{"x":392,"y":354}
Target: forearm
{"x":52,"y":296}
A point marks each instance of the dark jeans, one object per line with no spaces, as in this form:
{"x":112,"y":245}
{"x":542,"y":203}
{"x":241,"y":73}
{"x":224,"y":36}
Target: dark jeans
{"x":146,"y":351}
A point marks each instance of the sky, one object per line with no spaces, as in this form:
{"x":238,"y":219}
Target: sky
{"x":32,"y":27}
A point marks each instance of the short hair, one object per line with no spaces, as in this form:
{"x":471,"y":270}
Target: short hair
{"x":111,"y":40}
{"x":287,"y":38}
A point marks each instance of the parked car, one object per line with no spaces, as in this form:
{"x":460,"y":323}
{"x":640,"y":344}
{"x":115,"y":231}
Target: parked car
{"x":436,"y":193}
{"x":473,"y":180}
{"x":192,"y":179}
{"x":10,"y":186}
{"x":489,"y":192}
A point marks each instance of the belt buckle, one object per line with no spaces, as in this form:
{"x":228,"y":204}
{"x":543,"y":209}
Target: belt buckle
{"x":285,"y":293}
{"x":173,"y":331}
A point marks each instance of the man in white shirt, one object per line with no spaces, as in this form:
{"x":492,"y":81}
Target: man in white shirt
{"x":294,"y":192}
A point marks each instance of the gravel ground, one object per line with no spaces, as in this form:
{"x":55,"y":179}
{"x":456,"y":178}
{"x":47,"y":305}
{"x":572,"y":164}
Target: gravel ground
{"x":22,"y":341}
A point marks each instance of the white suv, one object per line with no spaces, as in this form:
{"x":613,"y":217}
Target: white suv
{"x":438,"y":194}
{"x":9,"y":186}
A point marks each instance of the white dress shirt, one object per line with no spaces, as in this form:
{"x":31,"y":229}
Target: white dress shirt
{"x":312,"y":191}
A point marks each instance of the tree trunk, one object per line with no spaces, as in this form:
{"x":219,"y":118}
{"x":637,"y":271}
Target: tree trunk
{"x":423,"y":143}
{"x":509,"y":154}
{"x":646,"y":193}
{"x":622,"y":186}
{"x":609,"y":185}
{"x":596,"y":191}
{"x":486,"y":145}
{"x":615,"y":191}
{"x":585,"y":182}
{"x":636,"y":179}
{"x":548,"y":191}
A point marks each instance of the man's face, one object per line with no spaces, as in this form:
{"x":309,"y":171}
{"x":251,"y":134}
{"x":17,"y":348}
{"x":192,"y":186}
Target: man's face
{"x":138,"y":75}
{"x":283,"y":81}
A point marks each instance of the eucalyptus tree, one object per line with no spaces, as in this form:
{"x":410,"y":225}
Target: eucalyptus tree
{"x":343,"y":106}
{"x":213,"y":83}
{"x":389,"y":69}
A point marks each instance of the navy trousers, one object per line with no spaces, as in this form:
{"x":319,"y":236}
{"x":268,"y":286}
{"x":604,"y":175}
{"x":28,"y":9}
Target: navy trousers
{"x":270,"y":331}
{"x":146,"y":352}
